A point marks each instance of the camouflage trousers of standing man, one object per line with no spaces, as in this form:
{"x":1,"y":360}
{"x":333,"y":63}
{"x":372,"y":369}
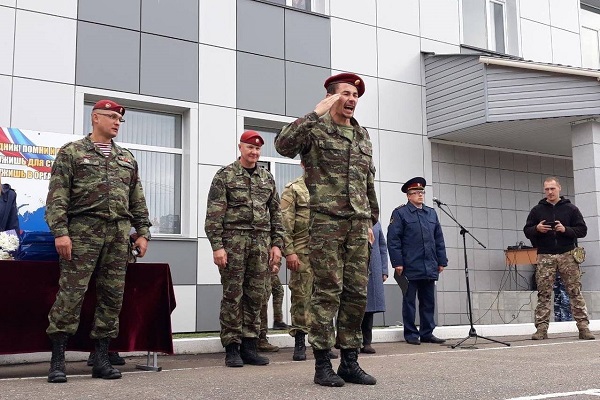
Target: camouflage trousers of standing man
{"x":338,"y":258}
{"x":101,"y":248}
{"x":273,"y":285}
{"x":244,"y":284}
{"x":570,"y":273}
{"x":301,"y":285}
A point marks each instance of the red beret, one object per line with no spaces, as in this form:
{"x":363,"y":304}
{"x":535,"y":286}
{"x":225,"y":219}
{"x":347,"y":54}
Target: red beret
{"x":109,"y":105}
{"x":416,"y":183}
{"x":345,"y":77}
{"x":252,"y":137}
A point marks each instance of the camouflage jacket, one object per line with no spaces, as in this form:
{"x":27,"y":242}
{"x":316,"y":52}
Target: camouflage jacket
{"x":239,"y":201}
{"x":340,"y":174}
{"x":86,"y":183}
{"x":296,"y":216}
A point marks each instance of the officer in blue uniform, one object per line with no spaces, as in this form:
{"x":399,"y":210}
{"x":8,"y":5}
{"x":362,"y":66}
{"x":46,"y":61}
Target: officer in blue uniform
{"x":418,"y":253}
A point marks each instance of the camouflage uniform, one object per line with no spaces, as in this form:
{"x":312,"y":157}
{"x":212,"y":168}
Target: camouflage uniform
{"x":243,"y":218}
{"x":94,"y":200}
{"x":340,"y":177}
{"x":296,"y":214}
{"x":274,"y":286}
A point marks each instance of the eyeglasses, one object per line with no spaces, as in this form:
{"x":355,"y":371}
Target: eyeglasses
{"x":419,"y":192}
{"x":114,"y":117}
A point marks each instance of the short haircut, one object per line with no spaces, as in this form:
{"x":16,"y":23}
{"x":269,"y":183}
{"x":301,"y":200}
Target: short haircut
{"x":332,"y":88}
{"x":552,"y":178}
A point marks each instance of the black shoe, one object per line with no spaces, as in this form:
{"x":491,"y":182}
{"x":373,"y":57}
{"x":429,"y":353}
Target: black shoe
{"x":433,"y":339}
{"x":232,"y":355}
{"x":102,"y":367}
{"x":57,"y":373}
{"x":299,"y":347}
{"x":280,"y":325}
{"x":333,"y":355}
{"x":248,"y":352}
{"x":368,"y":349}
{"x":113,"y":357}
{"x":350,"y":371}
{"x":324,"y":374}
{"x":413,"y":341}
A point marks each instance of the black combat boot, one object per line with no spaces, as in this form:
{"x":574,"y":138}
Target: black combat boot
{"x":324,"y":374}
{"x":249,"y":354}
{"x":350,"y":371}
{"x":232,"y":355}
{"x":113,"y":357}
{"x":57,"y":373}
{"x":102,"y":368}
{"x":299,"y":347}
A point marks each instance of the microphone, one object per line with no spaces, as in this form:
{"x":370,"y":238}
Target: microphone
{"x":438,"y":202}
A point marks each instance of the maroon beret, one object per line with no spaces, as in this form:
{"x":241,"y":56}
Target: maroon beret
{"x":252,"y":137}
{"x":109,"y":105}
{"x":346,"y":77}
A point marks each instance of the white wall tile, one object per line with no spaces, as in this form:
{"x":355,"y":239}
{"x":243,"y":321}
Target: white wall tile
{"x":391,"y":197}
{"x":206,"y":174}
{"x":43,"y":106}
{"x":374,"y":135}
{"x":399,"y":56}
{"x":363,"y":11}
{"x":10,"y":3}
{"x":400,"y":169}
{"x":45,"y":47}
{"x":536,"y":42}
{"x":536,"y":10}
{"x":361,"y":39}
{"x":217,"y":132}
{"x":566,"y":49}
{"x":434,"y":46}
{"x":565,"y":14}
{"x":396,"y":114}
{"x":7,"y":33}
{"x":217,"y":80}
{"x":5,"y":100}
{"x":367,"y":109}
{"x":183,"y":318}
{"x":440,"y":20}
{"x":218,"y":23}
{"x":401,"y":16}
{"x":62,"y":8}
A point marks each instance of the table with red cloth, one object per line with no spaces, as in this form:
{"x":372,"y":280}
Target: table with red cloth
{"x":28,"y":290}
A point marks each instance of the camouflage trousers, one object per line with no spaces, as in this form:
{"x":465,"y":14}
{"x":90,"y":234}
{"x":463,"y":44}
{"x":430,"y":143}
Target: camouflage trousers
{"x":100,"y":248}
{"x":301,"y":284}
{"x":274,"y":286}
{"x":570,"y":273}
{"x":338,"y":257}
{"x":244,"y":283}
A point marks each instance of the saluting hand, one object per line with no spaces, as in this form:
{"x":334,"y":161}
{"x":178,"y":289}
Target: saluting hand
{"x":325,"y":104}
{"x":63,"y":245}
{"x":220,"y":258}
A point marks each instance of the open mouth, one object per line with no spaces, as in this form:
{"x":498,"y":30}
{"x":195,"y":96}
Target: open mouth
{"x":349,"y":108}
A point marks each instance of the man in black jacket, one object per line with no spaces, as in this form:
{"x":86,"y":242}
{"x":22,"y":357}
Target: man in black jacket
{"x":553,"y":226}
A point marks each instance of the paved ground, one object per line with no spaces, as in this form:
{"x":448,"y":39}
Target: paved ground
{"x":527,"y":369}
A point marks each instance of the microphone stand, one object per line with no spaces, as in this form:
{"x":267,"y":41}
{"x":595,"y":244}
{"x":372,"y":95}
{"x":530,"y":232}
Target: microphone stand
{"x":463,"y":232}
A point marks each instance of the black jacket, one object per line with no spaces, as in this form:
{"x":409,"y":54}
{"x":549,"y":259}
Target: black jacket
{"x":554,"y":242}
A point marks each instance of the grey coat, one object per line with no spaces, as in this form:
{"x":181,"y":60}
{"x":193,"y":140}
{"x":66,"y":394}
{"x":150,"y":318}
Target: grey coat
{"x":378,"y":266}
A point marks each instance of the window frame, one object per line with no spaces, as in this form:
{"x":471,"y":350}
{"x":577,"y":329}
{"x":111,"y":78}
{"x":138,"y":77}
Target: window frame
{"x":491,"y":36}
{"x":313,"y":6}
{"x":189,"y":151}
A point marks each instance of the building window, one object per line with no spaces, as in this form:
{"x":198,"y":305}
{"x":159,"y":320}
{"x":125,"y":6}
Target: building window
{"x":155,"y":139}
{"x":491,"y":25}
{"x":590,"y":37}
{"x":317,"y":6}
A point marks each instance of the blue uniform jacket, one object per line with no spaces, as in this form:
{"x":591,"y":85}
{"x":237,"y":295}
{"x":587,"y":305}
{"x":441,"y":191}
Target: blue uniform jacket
{"x":415,"y":242}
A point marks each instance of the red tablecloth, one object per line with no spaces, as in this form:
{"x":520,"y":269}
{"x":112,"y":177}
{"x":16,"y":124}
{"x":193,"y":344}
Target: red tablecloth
{"x":28,"y":290}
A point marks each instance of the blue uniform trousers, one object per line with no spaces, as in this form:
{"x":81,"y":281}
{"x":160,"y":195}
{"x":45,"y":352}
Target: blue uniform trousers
{"x":424,"y":289}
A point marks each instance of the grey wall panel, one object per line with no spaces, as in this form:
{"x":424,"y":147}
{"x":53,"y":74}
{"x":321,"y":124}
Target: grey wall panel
{"x":525,"y":94}
{"x":124,"y":14}
{"x":107,"y":57}
{"x":304,"y":87}
{"x":174,"y":18}
{"x":455,"y":90}
{"x":182,"y":257}
{"x":393,"y":304}
{"x":260,"y":83}
{"x":302,"y":28}
{"x":169,"y":68}
{"x":208,"y":306}
{"x":260,"y":28}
